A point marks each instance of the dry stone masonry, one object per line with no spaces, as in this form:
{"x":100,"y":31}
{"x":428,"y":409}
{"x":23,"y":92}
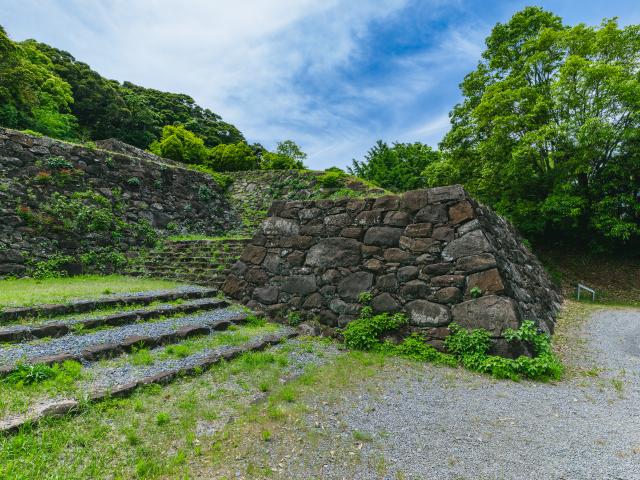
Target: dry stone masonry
{"x":143,"y":188}
{"x":434,"y":254}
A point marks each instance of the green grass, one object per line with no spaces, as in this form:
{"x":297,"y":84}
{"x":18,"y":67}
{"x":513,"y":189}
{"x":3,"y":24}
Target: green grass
{"x":158,"y":432}
{"x":29,"y":291}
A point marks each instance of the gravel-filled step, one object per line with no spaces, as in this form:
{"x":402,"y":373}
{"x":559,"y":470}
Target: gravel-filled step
{"x":115,"y":340}
{"x":164,"y":373}
{"x":113,"y":300}
{"x":59,"y":328}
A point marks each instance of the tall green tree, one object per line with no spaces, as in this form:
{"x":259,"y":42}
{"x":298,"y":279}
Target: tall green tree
{"x":31,"y":95}
{"x":549,"y":128}
{"x":288,"y":156}
{"x":398,"y":167}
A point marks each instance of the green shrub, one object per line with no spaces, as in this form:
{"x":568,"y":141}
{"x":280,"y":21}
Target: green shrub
{"x":232,"y":158}
{"x":28,"y":374}
{"x":468,"y":348}
{"x":364,"y":333}
{"x":332,"y":178}
{"x":58,"y":163}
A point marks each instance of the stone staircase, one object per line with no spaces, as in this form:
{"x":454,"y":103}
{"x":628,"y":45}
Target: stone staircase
{"x":200,"y":262}
{"x":178,"y":332}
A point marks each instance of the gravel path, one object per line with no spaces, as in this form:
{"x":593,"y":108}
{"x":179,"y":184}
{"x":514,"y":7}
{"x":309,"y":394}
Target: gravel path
{"x":109,"y":376}
{"x":75,"y":343}
{"x":424,"y":422}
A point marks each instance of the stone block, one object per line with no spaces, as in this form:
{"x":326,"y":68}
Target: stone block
{"x":423,"y":313}
{"x":492,"y":313}
{"x":383,"y":236}
{"x":488,"y":281}
{"x":353,"y":285}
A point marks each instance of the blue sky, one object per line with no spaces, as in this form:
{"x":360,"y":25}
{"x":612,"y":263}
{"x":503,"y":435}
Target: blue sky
{"x":332,"y":75}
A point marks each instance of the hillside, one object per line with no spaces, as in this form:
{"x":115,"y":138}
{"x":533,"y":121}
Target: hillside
{"x":47,"y":90}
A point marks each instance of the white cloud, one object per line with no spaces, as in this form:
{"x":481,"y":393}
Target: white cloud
{"x":244,"y":60}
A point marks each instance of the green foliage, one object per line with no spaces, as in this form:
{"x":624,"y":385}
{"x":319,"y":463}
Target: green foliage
{"x":179,"y":144}
{"x":53,"y":267}
{"x":294,"y":318}
{"x":49,"y":91}
{"x":30,"y":374}
{"x":133,"y":181}
{"x":549,"y":129}
{"x":332,"y":178}
{"x":288,"y":156}
{"x":397,"y":168}
{"x":232,"y":158}
{"x":475,"y":292}
{"x":364,"y":333}
{"x":58,"y":163}
{"x":468,"y":348}
{"x":32,"y":96}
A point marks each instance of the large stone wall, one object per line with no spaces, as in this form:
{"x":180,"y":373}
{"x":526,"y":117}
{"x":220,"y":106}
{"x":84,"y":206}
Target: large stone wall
{"x":422,"y":253}
{"x":149,"y":190}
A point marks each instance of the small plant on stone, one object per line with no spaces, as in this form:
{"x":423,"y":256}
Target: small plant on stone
{"x":294,"y":318}
{"x":134,"y":181}
{"x":58,"y":163}
{"x":365,"y":298}
{"x":475,"y":292}
{"x":266,"y":435}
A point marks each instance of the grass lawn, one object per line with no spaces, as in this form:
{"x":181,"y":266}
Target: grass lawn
{"x":159,"y":432}
{"x":29,"y":291}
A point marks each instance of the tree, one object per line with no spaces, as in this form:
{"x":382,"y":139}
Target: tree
{"x":397,"y":168}
{"x":288,"y":156}
{"x":549,"y":128}
{"x":178,"y":143}
{"x":232,"y":158}
{"x":31,"y":96}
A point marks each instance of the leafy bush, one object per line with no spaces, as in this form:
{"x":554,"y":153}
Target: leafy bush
{"x":468,"y":348}
{"x":332,"y":178}
{"x":58,"y":163}
{"x":179,"y":144}
{"x":232,"y":158}
{"x":364,"y":333}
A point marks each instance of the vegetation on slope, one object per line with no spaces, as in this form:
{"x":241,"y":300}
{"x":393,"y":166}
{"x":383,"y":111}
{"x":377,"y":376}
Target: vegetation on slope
{"x":548,"y":132}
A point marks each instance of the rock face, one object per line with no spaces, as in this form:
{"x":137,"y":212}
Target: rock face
{"x":141,"y":190}
{"x":435,"y":254}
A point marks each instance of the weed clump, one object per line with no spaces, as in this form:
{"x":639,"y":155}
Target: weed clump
{"x":469,"y":348}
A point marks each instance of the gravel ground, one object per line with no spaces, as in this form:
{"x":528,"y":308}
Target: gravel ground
{"x":77,"y":318}
{"x":75,"y":343}
{"x":109,"y":376}
{"x":425,"y":422}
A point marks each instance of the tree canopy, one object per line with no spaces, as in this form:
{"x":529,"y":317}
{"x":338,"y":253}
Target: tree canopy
{"x":288,"y":156}
{"x":397,"y":168}
{"x":48,"y":90}
{"x":549,"y":129}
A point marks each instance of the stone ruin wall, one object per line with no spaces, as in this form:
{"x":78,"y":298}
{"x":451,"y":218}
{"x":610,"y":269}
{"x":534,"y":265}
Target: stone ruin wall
{"x":171,"y":198}
{"x":421,"y":253}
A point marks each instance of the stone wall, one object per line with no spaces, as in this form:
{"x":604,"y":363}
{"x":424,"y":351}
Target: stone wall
{"x":142,"y":191}
{"x":422,"y":253}
{"x":253,"y":191}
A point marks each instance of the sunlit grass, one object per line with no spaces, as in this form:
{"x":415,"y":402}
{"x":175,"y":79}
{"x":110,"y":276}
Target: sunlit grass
{"x":30,"y":291}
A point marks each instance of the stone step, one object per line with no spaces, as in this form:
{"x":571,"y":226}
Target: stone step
{"x":58,"y":407}
{"x":96,"y":349}
{"x":114,"y":300}
{"x":21,"y":333}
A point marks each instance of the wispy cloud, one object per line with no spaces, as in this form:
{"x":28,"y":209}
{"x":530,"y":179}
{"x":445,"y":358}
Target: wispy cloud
{"x":334,"y":75}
